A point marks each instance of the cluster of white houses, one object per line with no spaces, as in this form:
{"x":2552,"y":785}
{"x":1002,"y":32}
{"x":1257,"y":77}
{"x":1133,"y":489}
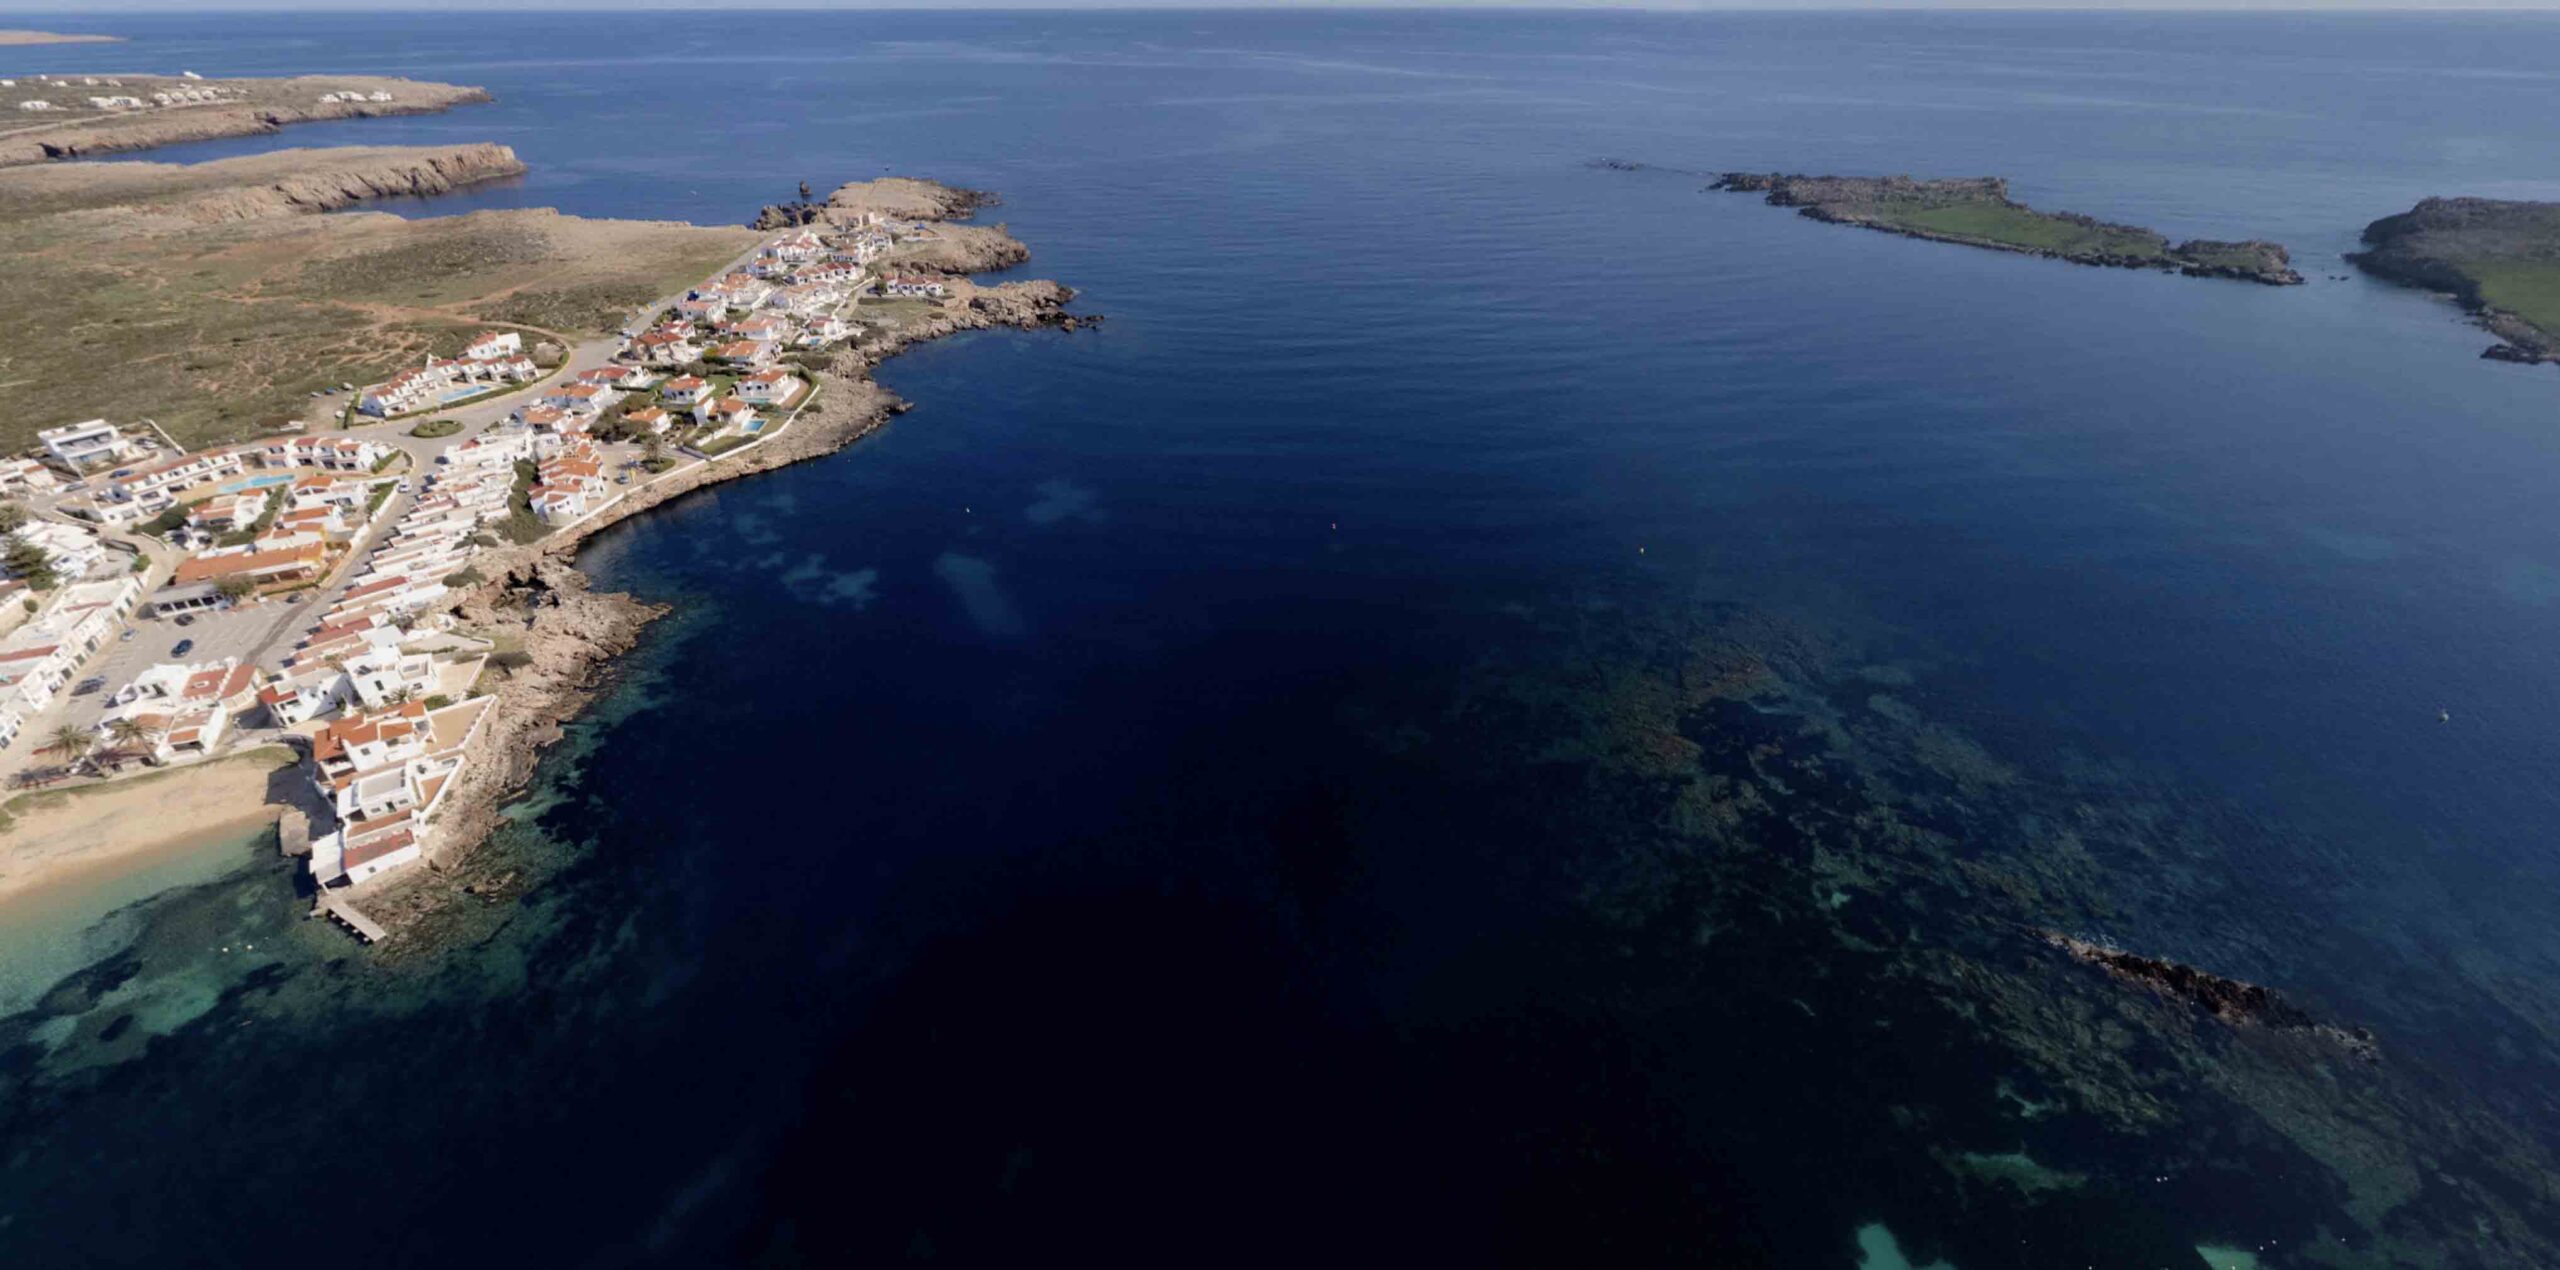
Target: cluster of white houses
{"x":187,"y":91}
{"x":385,"y":773}
{"x":147,"y":490}
{"x":40,"y":657}
{"x":178,"y":710}
{"x":394,"y":749}
{"x":492,"y":360}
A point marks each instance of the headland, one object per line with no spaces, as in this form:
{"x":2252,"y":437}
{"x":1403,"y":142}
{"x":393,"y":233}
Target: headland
{"x":66,"y":116}
{"x":398,"y":605}
{"x":2498,"y":258}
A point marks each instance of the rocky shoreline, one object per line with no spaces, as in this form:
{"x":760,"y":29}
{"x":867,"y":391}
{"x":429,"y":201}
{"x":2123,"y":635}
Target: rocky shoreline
{"x":268,"y":106}
{"x":1889,"y":203}
{"x":2445,"y":244}
{"x":572,"y":633}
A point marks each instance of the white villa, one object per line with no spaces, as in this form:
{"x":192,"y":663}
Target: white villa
{"x":727,"y":412}
{"x":581,"y":399}
{"x":569,"y":483}
{"x":493,"y":344}
{"x":183,"y":709}
{"x":27,"y":476}
{"x":385,"y":773}
{"x":770,"y":388}
{"x":664,"y":347}
{"x":82,"y":446}
{"x":74,"y":553}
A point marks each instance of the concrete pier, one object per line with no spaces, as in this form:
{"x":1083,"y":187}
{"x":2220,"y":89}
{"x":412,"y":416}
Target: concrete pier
{"x":335,"y":907}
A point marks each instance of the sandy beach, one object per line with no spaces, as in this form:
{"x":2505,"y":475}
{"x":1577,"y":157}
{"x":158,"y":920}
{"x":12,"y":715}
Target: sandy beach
{"x":58,"y":836}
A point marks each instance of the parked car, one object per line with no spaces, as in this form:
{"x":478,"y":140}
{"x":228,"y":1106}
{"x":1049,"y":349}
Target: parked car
{"x":186,"y":619}
{"x":185,"y":646}
{"x":128,"y":634}
{"x":88,"y":686}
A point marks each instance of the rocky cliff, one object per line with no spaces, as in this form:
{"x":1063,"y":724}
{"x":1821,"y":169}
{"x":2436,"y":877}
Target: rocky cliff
{"x":329,"y":187}
{"x":387,"y":175}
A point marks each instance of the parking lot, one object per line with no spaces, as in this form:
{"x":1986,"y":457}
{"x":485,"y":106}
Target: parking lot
{"x":227,"y":633}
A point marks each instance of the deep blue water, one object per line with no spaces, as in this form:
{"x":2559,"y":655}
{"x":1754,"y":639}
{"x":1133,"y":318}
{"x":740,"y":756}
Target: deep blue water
{"x":1068,"y":821}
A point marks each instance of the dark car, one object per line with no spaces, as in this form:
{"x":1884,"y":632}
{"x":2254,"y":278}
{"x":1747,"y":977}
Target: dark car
{"x":183,"y":648}
{"x":88,"y":686}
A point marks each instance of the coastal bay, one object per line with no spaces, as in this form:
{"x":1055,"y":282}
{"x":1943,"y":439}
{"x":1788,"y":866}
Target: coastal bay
{"x":51,"y":836}
{"x":1484,"y":719}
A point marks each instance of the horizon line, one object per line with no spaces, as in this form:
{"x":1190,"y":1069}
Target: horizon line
{"x":81,"y":12}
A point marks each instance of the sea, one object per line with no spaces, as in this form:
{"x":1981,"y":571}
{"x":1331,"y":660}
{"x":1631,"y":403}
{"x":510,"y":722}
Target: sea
{"x":1498,"y":710}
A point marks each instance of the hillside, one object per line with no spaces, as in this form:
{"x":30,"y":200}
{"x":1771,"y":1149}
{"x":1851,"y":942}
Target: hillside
{"x":215,"y":299}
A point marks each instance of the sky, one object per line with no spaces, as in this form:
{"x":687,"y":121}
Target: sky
{"x":106,"y":9}
{"x":101,"y":12}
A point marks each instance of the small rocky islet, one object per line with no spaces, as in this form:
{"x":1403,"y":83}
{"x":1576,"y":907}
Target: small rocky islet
{"x":1978,"y":212}
{"x":2498,"y":258}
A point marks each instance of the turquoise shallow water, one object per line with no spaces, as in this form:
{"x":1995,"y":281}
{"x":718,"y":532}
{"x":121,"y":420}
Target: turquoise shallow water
{"x":1495,"y":710}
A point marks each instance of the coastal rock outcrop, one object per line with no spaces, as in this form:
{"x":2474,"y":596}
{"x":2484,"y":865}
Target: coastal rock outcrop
{"x":1978,"y":212}
{"x":252,"y":187}
{"x":896,"y":197}
{"x":906,"y":198}
{"x":414,"y":173}
{"x":2461,"y":247}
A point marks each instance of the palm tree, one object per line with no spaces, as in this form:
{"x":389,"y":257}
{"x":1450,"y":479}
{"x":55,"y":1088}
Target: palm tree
{"x":73,"y":744}
{"x":134,"y":734}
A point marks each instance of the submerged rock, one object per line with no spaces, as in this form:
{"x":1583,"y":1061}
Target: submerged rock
{"x":2234,"y":1001}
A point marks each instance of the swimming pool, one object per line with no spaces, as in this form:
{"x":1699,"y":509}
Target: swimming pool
{"x":247,"y":483}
